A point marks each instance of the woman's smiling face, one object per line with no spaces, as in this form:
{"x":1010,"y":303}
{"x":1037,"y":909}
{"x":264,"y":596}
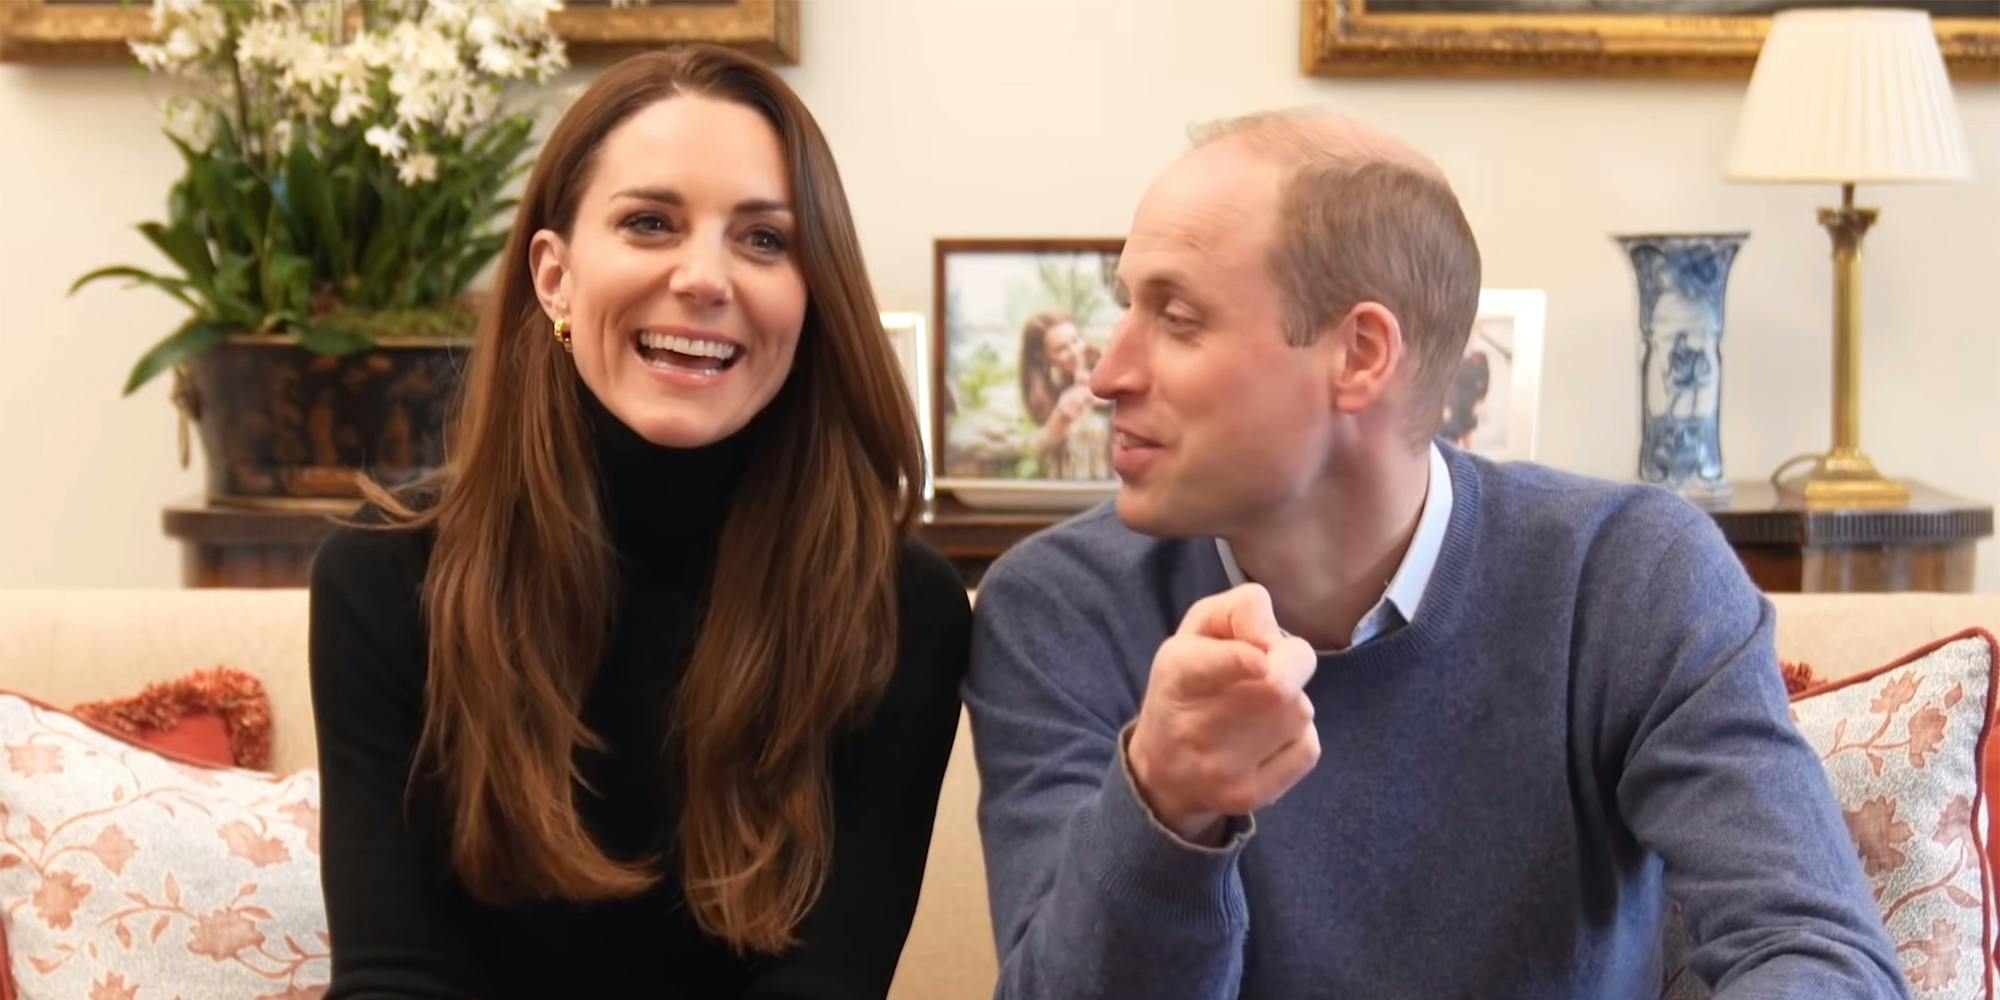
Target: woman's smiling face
{"x":684,"y":298}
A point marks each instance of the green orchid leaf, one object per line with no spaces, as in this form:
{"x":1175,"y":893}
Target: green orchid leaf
{"x":172,"y":286}
{"x":322,"y":338}
{"x":184,"y":247}
{"x":189,"y":342}
{"x":312,"y":198}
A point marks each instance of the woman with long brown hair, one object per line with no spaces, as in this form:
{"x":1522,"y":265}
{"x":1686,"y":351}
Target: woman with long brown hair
{"x":1072,"y":428}
{"x":651,"y":693}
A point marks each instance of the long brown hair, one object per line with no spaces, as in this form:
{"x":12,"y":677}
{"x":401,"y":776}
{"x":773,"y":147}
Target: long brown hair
{"x":797,"y":640}
{"x":1038,"y":380}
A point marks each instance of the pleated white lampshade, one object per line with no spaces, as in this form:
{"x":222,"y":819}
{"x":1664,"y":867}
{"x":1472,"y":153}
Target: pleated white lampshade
{"x":1849,"y":96}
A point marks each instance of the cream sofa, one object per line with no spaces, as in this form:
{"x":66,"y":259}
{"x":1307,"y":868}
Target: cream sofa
{"x":66,"y":646}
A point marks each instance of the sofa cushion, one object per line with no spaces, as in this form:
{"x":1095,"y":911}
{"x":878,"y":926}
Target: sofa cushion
{"x":72,"y":646}
{"x":122,"y":868}
{"x":1905,"y":748}
{"x":217,"y":716}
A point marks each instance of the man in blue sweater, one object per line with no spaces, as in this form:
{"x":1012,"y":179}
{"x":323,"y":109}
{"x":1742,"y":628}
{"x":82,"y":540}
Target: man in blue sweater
{"x":1471,"y":727}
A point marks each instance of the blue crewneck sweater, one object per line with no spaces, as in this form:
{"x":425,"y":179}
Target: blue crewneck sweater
{"x":1584,"y":719}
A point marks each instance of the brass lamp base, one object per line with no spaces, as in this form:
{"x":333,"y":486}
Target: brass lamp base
{"x":1844,"y":479}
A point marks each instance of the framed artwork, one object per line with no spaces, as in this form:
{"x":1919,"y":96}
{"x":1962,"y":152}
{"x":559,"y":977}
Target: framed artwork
{"x":71,"y":30}
{"x":1491,"y":404}
{"x":596,"y":30}
{"x":906,"y":332}
{"x":1019,"y":326}
{"x":1702,"y":38}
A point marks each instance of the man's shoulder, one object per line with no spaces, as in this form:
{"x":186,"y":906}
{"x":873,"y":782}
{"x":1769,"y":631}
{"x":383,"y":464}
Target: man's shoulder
{"x":1535,"y":501}
{"x":1088,"y":600}
{"x":1087,"y":551}
{"x":1604,"y":536}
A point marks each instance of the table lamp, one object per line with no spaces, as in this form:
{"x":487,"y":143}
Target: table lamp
{"x":1849,"y":96}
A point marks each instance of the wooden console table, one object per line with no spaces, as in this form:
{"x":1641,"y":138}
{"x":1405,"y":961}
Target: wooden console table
{"x":243,"y":546}
{"x":255,"y":547}
{"x":1786,"y":548}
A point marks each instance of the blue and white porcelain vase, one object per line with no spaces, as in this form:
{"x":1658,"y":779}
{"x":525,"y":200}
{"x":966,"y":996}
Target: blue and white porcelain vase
{"x":1682,"y":281}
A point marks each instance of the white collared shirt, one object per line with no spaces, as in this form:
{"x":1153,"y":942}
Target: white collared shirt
{"x":1398,"y":605}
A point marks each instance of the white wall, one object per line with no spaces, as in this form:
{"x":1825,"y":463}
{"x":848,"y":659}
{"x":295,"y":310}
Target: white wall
{"x":1046,"y":118}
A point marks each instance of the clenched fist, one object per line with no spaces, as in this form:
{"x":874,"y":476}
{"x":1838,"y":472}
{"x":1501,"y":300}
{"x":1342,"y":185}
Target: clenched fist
{"x":1226,"y":726}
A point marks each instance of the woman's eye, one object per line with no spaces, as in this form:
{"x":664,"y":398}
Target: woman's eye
{"x":1178,"y":322}
{"x":645,"y":222}
{"x":766,"y":240}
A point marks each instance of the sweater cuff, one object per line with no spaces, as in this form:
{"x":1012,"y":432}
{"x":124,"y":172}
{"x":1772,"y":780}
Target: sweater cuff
{"x":1136,"y":855}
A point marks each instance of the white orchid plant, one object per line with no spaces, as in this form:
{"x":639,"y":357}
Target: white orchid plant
{"x":345,"y":163}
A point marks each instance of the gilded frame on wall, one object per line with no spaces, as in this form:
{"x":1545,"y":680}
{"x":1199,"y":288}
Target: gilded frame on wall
{"x":98,"y":30}
{"x":1686,"y":38}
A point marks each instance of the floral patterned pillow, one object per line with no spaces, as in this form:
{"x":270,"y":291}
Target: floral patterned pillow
{"x":1903,"y":747}
{"x":126,"y":875}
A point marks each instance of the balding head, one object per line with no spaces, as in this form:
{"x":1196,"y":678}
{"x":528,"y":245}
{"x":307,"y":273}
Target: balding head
{"x":1365,"y":217}
{"x":1298,"y":137}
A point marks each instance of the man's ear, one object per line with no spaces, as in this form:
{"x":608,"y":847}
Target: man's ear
{"x":548,"y":262}
{"x":1369,"y":352}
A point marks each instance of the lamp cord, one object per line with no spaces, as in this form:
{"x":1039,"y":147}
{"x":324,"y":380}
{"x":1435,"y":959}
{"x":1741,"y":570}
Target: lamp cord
{"x":1779,"y":473}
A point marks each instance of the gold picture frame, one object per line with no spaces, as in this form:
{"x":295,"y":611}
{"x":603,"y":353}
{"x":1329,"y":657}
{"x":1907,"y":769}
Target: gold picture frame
{"x":70,"y":31}
{"x":79,"y":31}
{"x":1674,"y":38}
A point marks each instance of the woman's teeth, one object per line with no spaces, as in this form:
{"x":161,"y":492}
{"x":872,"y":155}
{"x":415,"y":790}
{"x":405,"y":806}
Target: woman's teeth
{"x":666,"y":350}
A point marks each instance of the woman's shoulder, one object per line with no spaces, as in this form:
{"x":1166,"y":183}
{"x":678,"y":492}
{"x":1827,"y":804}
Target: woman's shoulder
{"x":931,"y":648}
{"x":368,"y":644}
{"x":927,"y":578}
{"x":934,"y":618}
{"x":374,"y":553}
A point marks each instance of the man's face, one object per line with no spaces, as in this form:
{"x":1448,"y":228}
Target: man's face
{"x":1220,"y":423}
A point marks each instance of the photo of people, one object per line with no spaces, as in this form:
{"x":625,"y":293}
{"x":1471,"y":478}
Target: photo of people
{"x":1475,"y":405}
{"x":1022,"y":327}
{"x":1490,"y":403}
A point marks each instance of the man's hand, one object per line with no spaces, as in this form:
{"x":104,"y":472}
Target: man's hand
{"x":1226,"y":726}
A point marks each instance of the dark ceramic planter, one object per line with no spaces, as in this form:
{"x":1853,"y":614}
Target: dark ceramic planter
{"x":282,"y":426}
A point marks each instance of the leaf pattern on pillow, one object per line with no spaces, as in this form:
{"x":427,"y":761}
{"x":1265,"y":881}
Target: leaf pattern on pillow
{"x":125,"y":875}
{"x":1901,"y":751}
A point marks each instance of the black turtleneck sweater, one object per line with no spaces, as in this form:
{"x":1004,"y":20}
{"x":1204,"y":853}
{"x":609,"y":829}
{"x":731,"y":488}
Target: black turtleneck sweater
{"x":403,"y":927}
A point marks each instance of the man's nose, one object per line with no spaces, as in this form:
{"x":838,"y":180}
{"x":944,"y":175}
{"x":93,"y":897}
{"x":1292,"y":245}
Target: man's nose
{"x":1121,"y":371}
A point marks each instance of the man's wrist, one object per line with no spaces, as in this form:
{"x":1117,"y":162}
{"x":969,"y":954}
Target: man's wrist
{"x":1200,"y":829}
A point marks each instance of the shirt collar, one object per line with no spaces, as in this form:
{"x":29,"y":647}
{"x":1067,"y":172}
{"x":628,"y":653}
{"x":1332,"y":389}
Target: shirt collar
{"x":1412,"y":578}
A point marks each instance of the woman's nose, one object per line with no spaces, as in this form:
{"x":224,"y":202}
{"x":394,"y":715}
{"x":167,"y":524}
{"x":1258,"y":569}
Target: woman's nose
{"x":701,"y":275}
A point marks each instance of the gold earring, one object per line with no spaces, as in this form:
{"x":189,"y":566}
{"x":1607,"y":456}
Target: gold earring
{"x":562,"y":334}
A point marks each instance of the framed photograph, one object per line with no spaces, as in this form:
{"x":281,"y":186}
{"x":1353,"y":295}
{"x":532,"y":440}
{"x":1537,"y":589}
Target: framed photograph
{"x":596,"y":30}
{"x":1699,"y":38}
{"x":906,"y":332}
{"x":1019,"y":326}
{"x":1490,"y":407}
